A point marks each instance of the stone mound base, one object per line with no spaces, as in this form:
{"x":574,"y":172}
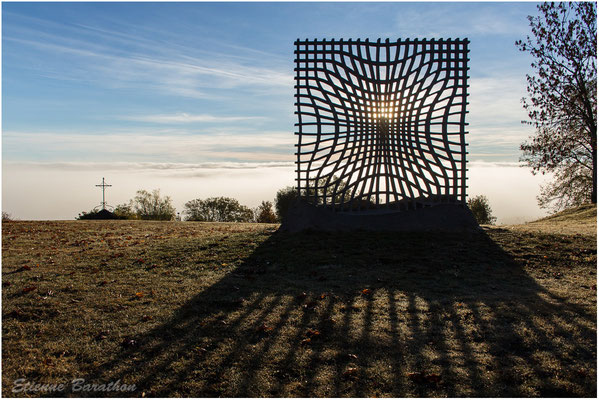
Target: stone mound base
{"x":443,"y":217}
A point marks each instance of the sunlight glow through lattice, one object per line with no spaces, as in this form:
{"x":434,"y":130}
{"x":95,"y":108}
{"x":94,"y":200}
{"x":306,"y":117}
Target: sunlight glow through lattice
{"x":381,"y":123}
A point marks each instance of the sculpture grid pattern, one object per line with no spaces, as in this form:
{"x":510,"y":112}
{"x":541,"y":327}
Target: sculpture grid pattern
{"x":381,"y":124}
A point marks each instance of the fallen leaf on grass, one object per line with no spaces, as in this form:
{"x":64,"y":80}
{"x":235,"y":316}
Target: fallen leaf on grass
{"x":302,"y":296}
{"x":239,"y":301}
{"x":366,"y":291}
{"x":310,"y":304}
{"x":351,"y":373}
{"x":417,"y":377}
{"x":14,"y":314}
{"x":433,"y":378}
{"x":311,"y":333}
{"x":129,"y":342}
{"x":423,"y":378}
{"x":139,"y":295}
{"x":102,"y":335}
{"x":264,"y":329}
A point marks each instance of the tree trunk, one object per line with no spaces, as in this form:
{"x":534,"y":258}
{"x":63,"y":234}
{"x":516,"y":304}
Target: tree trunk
{"x":594,"y":151}
{"x":594,"y":192}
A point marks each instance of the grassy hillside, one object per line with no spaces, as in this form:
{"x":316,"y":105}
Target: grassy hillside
{"x":200,"y":309}
{"x":580,"y":220}
{"x":583,"y":213}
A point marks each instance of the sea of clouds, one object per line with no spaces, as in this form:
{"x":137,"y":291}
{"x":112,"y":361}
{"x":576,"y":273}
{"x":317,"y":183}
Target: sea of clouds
{"x":54,"y":191}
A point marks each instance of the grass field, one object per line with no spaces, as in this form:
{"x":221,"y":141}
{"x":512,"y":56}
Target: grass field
{"x":201,"y":309}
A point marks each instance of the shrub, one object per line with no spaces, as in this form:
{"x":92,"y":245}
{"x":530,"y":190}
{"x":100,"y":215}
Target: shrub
{"x":124,"y":211}
{"x":93,"y":214}
{"x":479,"y":205}
{"x":316,"y":188}
{"x":265,"y":213}
{"x":283,"y":200}
{"x":217,"y":209}
{"x":150,"y":206}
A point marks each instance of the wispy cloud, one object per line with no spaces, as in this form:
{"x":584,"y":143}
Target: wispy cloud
{"x":445,"y":20}
{"x":166,"y":67}
{"x":147,"y":166}
{"x":188,"y":118}
{"x":496,"y":99}
{"x":168,"y":146}
{"x":493,"y":164}
{"x":495,"y":116}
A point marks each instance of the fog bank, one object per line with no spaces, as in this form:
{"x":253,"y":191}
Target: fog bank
{"x":54,"y":191}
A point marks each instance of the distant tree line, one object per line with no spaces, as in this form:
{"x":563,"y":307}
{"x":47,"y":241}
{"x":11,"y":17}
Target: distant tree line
{"x":152,"y":206}
{"x":227,"y":209}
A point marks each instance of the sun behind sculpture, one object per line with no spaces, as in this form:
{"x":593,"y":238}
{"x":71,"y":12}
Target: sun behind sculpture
{"x":381,"y":124}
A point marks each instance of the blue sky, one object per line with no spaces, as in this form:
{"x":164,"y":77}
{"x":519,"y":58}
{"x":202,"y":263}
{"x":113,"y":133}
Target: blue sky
{"x":207,"y":86}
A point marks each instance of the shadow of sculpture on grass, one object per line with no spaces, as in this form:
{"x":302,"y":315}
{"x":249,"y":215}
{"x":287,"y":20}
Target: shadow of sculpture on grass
{"x":364,"y":315}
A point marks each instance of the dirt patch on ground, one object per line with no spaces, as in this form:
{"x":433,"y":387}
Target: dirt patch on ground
{"x":209,"y":310}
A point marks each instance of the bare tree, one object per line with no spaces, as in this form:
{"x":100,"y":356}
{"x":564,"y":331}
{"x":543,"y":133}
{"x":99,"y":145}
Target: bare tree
{"x":562,"y":103}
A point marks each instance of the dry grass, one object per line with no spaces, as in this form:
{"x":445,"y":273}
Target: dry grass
{"x":192,"y":309}
{"x":579,"y":220}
